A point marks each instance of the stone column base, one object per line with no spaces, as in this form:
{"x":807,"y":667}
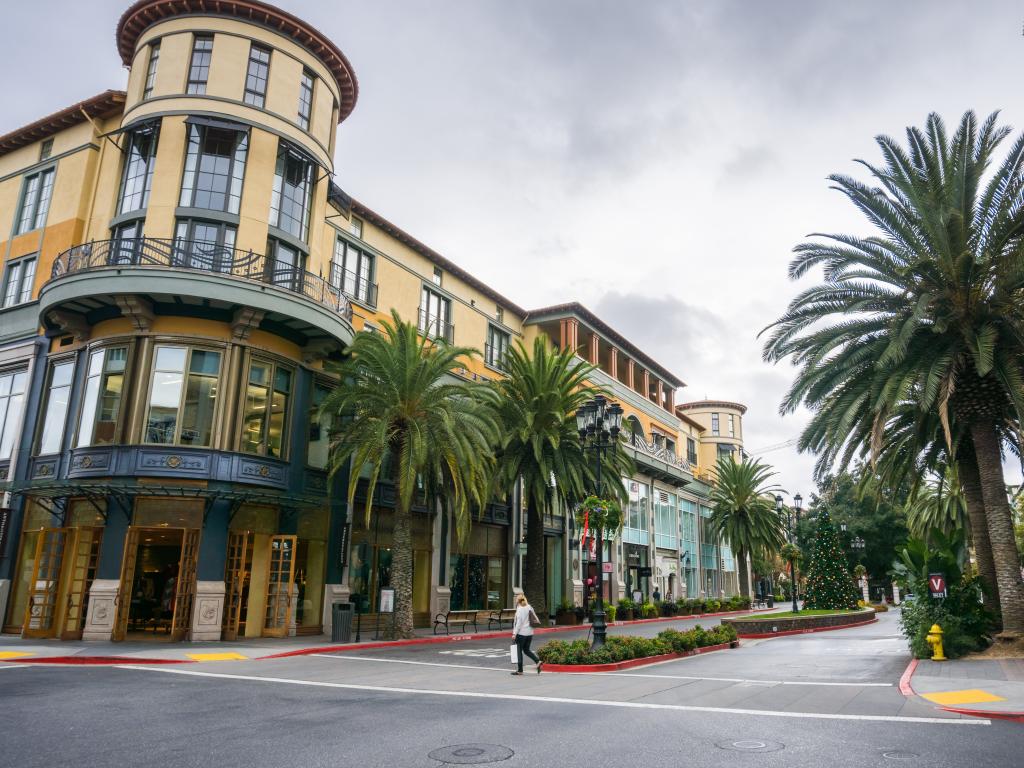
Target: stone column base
{"x":333,"y":594}
{"x":207,"y":611}
{"x":574,"y":587}
{"x":440,"y":601}
{"x":99,"y":619}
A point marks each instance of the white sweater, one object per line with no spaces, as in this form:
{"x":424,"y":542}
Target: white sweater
{"x":521,"y":626}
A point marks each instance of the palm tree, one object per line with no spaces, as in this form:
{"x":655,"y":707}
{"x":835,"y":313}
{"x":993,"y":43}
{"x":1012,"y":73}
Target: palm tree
{"x":540,"y":448}
{"x":939,"y":505}
{"x":743,"y":511}
{"x":402,"y":413}
{"x":929,"y":309}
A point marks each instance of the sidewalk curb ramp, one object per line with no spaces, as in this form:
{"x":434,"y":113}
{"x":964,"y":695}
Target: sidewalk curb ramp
{"x":907,"y":689}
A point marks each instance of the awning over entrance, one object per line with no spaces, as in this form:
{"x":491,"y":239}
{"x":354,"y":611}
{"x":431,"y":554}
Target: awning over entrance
{"x":53,"y":495}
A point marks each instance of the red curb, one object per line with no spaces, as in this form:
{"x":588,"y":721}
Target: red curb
{"x":761,"y":635}
{"x":905,"y":688}
{"x":483,"y":635}
{"x":1013,"y":717}
{"x":94,"y":660}
{"x":630,"y":663}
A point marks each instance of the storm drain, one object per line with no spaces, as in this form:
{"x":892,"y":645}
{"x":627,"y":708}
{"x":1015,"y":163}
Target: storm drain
{"x":899,"y":755}
{"x":471,"y":754}
{"x":751,"y":745}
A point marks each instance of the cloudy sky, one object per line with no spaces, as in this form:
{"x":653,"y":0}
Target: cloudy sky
{"x":655,"y":160}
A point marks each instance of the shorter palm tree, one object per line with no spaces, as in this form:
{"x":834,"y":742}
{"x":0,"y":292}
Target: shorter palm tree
{"x":938,"y":506}
{"x":402,"y":412}
{"x":743,"y":511}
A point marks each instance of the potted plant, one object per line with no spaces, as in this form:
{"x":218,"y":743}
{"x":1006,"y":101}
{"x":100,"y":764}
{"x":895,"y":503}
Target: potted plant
{"x":565,"y":614}
{"x":609,"y":613}
{"x":625,"y":609}
{"x":649,"y":610}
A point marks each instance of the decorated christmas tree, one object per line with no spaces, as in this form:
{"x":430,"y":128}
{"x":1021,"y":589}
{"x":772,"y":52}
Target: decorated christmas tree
{"x":829,"y":586}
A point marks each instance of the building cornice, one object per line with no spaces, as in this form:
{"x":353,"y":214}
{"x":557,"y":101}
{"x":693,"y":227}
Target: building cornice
{"x":102,"y":105}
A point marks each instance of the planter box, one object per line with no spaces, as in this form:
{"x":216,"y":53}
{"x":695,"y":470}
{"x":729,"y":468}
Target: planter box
{"x":567,"y":619}
{"x":630,"y":663}
{"x":798,"y":624}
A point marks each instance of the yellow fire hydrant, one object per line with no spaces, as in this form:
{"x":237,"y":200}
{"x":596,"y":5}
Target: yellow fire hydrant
{"x":934,"y":639}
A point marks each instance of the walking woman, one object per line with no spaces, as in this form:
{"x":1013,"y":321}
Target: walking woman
{"x":522,"y":632}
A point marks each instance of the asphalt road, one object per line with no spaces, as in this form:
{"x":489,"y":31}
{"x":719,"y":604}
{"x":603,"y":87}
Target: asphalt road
{"x":827,"y":699}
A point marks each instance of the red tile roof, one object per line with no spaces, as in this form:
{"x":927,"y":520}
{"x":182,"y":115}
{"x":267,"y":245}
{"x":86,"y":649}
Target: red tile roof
{"x":103,"y":105}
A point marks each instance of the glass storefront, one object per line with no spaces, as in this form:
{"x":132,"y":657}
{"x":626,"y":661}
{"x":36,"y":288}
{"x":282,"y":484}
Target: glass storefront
{"x":477,"y":569}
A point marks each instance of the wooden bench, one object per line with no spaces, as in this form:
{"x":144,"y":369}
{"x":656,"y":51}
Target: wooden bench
{"x":501,"y":615}
{"x":448,"y":618}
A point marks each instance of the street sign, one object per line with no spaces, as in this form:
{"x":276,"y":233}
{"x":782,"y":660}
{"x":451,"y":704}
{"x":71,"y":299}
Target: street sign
{"x":937,"y":584}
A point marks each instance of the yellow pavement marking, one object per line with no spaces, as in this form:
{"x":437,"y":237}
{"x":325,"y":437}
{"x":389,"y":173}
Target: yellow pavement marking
{"x":970,"y":696}
{"x":14,"y":654}
{"x":229,"y":656}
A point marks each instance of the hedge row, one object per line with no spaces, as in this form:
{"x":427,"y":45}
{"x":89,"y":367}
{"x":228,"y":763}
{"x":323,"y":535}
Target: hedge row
{"x":622,"y":648}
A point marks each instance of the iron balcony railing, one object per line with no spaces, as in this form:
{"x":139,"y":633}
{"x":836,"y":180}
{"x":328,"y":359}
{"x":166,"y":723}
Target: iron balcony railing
{"x":661,"y":453}
{"x":435,"y":327}
{"x":354,"y":286}
{"x":200,"y":256}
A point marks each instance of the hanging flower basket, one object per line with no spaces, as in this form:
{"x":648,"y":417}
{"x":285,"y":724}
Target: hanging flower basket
{"x":599,"y":514}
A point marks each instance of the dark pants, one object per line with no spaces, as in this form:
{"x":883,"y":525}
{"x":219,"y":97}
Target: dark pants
{"x":523,"y":641}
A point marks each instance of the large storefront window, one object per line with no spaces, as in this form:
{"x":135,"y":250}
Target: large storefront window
{"x":665,"y":526}
{"x":264,"y":420}
{"x":182,"y":396}
{"x":12,"y":405}
{"x":370,"y":561}
{"x":689,"y":558}
{"x":101,"y":405}
{"x":634,"y":529}
{"x":478,"y":569}
{"x":318,"y":447}
{"x":56,"y":412}
{"x":311,"y":567}
{"x":214,"y":167}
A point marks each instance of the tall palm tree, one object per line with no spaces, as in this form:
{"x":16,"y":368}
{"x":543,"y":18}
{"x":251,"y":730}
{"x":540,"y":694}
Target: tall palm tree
{"x":540,"y":448}
{"x":743,"y":511}
{"x":401,"y":412}
{"x":931,"y":308}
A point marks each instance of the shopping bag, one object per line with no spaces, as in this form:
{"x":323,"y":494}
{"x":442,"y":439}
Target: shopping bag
{"x":514,"y":653}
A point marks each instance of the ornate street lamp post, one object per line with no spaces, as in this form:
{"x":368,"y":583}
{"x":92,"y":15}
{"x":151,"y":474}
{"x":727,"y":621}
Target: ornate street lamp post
{"x":798,"y":502}
{"x":599,"y":423}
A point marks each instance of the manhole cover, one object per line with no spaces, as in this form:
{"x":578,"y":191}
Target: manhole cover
{"x":899,"y":755}
{"x":751,"y":745}
{"x":471,"y":754}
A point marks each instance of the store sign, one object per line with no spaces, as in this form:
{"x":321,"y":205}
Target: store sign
{"x":5,"y":524}
{"x":607,"y":567}
{"x":387,"y":601}
{"x":937,"y":584}
{"x":644,"y":570}
{"x":343,"y":554}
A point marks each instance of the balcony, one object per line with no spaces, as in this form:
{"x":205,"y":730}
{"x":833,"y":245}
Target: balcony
{"x":435,"y":327}
{"x":660,"y":462}
{"x":353,"y":286}
{"x":144,"y":277}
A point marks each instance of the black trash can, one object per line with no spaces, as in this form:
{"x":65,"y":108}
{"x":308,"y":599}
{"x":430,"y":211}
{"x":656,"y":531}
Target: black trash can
{"x":341,"y":623}
{"x":770,"y":599}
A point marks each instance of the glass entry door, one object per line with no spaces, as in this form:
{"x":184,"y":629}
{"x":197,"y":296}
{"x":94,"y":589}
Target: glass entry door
{"x":280,"y":581}
{"x":83,"y":556}
{"x":41,"y":609}
{"x":236,"y":579}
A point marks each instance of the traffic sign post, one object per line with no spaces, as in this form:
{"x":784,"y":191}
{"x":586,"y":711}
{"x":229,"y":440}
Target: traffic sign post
{"x":937,"y":585}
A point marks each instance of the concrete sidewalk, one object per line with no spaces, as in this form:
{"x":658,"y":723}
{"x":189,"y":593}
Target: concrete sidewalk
{"x":980,"y":687}
{"x":160,"y":650}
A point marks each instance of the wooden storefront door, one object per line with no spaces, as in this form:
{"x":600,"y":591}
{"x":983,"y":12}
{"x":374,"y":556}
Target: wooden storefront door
{"x":44,"y":587}
{"x":236,"y":579}
{"x":83,"y":553}
{"x":280,"y":581}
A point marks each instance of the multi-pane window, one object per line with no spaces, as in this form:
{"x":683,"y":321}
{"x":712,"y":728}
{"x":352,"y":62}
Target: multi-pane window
{"x":691,"y":450}
{"x":101,"y":404}
{"x":12,"y":405}
{"x":45,"y":149}
{"x":56,"y":411}
{"x":305,"y":99}
{"x":214,"y":167}
{"x":154,"y":59}
{"x":127,"y":243}
{"x":355,"y":226}
{"x":35,"y":200}
{"x":666,"y":527}
{"x":352,"y":272}
{"x":725,"y":450}
{"x":496,"y":347}
{"x":182,"y":396}
{"x":435,"y":315}
{"x":265,"y":411}
{"x":635,"y":513}
{"x":285,"y":264}
{"x":18,"y":279}
{"x":293,"y":192}
{"x":199,"y":66}
{"x":732,"y":425}
{"x":318,"y":447}
{"x":256,"y":76}
{"x":137,"y":180}
{"x":714,"y":424}
{"x":205,"y":245}
{"x":499,"y":314}
{"x":438,"y":274}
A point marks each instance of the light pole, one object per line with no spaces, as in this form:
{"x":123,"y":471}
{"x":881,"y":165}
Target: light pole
{"x":599,"y":423}
{"x":798,"y":501}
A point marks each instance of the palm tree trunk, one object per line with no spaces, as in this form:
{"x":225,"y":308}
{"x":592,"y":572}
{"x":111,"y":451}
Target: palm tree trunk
{"x":1000,"y":528}
{"x":967,"y":466}
{"x":533,"y":565}
{"x":741,"y":555}
{"x":401,"y":571}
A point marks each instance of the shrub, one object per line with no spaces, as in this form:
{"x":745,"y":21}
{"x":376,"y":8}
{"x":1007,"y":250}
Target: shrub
{"x":649,"y":610}
{"x":712,"y":606}
{"x":625,"y":604}
{"x":623,"y":648}
{"x":609,"y":612}
{"x":964,"y":621}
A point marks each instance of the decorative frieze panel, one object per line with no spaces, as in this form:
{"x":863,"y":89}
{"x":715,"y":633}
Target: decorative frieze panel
{"x":169,"y":462}
{"x":91,"y":462}
{"x":259,"y":472}
{"x":314,"y":482}
{"x":45,"y":468}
